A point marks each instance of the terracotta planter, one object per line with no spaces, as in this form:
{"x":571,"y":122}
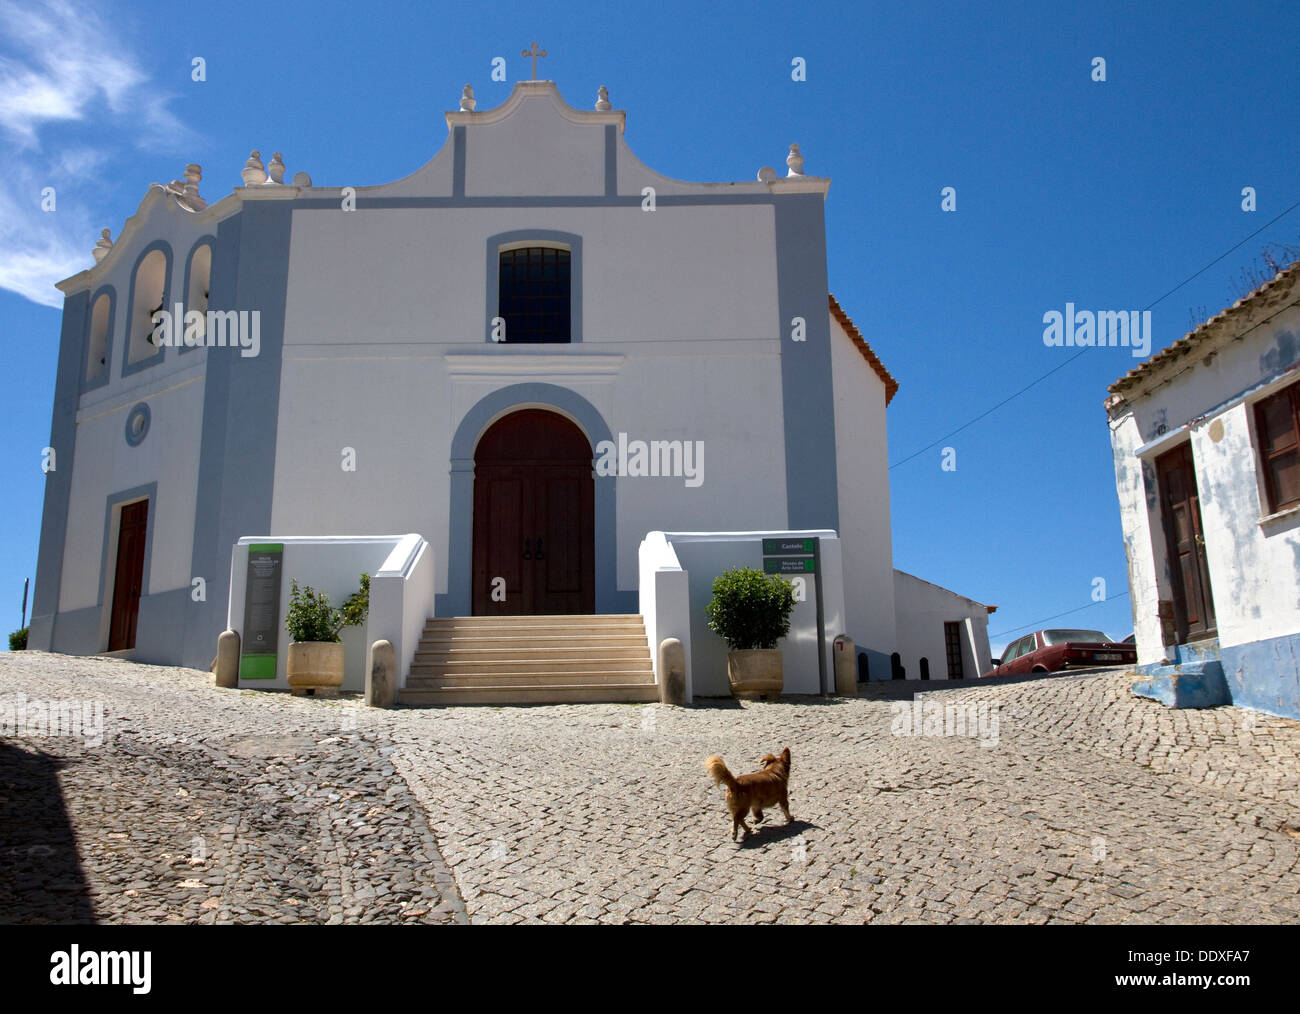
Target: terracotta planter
{"x":315,"y":668}
{"x":755,"y":672}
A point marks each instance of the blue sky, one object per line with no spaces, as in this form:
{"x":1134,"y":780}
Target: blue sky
{"x":1104,"y":194}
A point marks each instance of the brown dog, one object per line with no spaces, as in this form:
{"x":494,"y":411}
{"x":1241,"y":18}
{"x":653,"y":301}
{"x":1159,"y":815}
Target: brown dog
{"x":751,"y":793}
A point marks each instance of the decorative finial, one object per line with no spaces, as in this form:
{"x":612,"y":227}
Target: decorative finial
{"x":534,"y":53}
{"x":795,"y":161}
{"x":103,"y":246}
{"x":467,"y":100}
{"x":301,"y":179}
{"x":766,"y":174}
{"x":276,"y":169}
{"x":602,"y":100}
{"x":254,"y":172}
{"x":190,"y":197}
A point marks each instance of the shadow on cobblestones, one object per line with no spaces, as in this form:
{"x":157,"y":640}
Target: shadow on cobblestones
{"x":770,"y":834}
{"x":40,"y":871}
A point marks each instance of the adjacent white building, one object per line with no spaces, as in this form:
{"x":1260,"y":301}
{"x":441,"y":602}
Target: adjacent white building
{"x":533,"y":348}
{"x":1206,"y":436}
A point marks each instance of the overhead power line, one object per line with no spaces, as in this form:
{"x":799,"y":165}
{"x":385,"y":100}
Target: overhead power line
{"x":1060,"y":366}
{"x":1034,"y":625}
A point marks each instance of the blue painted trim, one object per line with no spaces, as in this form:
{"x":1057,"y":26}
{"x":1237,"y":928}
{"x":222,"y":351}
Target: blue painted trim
{"x":241,"y":408}
{"x":205,"y":556}
{"x":129,"y":367}
{"x":58,"y":483}
{"x":133,"y":439}
{"x":460,"y":535}
{"x":207,"y":241}
{"x":149,"y":491}
{"x":611,"y":161}
{"x":811,"y":480}
{"x":1265,"y":674}
{"x":86,"y":383}
{"x":458,"y":140}
{"x":493,"y":271}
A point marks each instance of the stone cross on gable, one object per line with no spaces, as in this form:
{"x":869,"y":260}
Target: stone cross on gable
{"x":534,"y":53}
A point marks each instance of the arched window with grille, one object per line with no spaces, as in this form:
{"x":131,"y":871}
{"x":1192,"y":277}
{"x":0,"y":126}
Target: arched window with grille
{"x":535,"y":293}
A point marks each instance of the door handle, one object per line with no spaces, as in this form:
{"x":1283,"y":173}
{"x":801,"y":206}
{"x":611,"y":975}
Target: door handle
{"x":539,"y":555}
{"x":528,"y":549}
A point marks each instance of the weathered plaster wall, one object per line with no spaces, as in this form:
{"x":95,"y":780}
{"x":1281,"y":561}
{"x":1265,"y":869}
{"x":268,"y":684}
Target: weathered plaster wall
{"x":1253,"y":559}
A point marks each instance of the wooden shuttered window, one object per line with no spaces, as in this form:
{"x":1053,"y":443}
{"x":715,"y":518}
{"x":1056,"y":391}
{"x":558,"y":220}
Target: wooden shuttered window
{"x":1277,"y":425}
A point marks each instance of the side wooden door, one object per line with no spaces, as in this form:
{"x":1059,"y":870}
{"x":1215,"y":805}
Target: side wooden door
{"x":1181,"y":508}
{"x":128,"y":576}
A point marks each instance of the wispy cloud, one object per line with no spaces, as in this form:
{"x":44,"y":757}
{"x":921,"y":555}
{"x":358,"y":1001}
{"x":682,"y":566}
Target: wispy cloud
{"x":63,"y":71}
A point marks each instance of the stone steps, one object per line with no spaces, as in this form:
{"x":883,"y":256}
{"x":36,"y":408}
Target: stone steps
{"x":531,"y":660}
{"x":1199,"y":684}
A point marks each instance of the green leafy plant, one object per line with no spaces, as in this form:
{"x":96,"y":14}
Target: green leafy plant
{"x":750,"y":609}
{"x":18,"y":640}
{"x":356,"y":606}
{"x":310,"y":616}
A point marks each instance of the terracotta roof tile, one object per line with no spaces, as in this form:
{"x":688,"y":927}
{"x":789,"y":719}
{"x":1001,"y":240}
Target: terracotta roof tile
{"x":873,"y":360}
{"x":1185,"y":345}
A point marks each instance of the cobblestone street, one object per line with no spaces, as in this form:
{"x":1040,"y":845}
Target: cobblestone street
{"x":1076,"y":803}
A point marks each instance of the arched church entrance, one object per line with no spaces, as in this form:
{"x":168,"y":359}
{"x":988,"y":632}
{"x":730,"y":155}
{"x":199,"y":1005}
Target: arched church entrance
{"x":534,"y":518}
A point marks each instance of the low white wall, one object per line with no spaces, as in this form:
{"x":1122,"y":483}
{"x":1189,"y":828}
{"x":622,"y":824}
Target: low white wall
{"x":332,"y":564}
{"x":665,"y":601}
{"x":402,"y":599}
{"x":702,"y":557}
{"x":921,"y":609}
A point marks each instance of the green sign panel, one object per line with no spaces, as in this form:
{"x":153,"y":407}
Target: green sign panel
{"x":779,"y":547}
{"x":259,"y":643}
{"x":789,"y":565}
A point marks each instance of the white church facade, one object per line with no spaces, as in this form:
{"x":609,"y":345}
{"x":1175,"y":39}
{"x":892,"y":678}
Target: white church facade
{"x":531,"y":353}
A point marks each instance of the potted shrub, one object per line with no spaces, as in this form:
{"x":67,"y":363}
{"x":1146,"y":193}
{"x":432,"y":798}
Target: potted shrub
{"x":314,"y":666}
{"x":751,"y":612}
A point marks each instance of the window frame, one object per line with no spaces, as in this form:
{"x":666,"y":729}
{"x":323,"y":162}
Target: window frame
{"x":1269,"y":495}
{"x":518,"y":239}
{"x":528,"y":264}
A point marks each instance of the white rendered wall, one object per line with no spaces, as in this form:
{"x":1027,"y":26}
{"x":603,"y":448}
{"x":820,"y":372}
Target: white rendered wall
{"x":681,"y":348}
{"x":172,"y":388}
{"x":105,"y":464}
{"x":862,"y":470}
{"x":694,"y":273}
{"x":922,"y":609}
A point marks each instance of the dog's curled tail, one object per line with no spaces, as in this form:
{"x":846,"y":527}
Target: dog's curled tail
{"x":719,"y":771}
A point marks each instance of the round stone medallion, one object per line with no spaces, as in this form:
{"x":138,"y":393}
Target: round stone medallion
{"x":137,"y":424}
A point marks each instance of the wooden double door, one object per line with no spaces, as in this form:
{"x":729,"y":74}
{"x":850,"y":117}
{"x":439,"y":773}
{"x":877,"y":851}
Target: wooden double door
{"x":1190,"y":573}
{"x":534,"y":518}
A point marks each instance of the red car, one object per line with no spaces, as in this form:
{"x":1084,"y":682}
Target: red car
{"x":1059,"y":650}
